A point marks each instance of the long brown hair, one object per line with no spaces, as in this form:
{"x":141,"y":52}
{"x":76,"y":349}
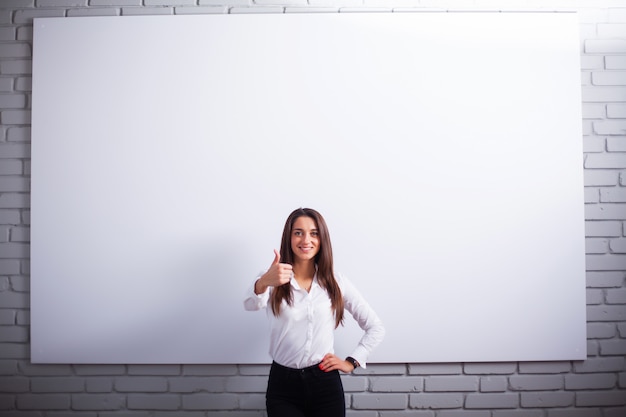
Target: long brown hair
{"x":323,"y":260}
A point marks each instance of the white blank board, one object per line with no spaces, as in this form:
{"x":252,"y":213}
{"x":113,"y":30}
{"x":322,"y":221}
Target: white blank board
{"x":443,"y":149}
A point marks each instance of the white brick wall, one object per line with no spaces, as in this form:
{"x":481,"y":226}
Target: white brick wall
{"x":595,"y":387}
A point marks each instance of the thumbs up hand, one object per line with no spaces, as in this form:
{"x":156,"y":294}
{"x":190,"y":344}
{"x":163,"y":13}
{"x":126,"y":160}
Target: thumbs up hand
{"x":277,"y":275}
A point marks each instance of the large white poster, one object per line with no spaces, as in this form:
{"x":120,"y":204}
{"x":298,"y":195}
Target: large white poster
{"x":444,"y":150}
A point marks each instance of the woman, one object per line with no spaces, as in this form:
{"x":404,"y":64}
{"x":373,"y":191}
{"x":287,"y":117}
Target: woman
{"x":306,"y":304}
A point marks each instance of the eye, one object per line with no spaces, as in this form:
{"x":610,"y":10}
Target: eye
{"x":297,"y":233}
{"x":314,"y":233}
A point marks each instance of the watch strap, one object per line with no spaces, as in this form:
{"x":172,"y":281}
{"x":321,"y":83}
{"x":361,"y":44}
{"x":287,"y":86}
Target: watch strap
{"x":353,"y":361}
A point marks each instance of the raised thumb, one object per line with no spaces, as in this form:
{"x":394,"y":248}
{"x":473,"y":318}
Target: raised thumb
{"x":276,"y":257}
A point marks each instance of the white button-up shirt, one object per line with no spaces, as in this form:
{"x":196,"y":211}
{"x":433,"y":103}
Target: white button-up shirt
{"x":304,"y":332}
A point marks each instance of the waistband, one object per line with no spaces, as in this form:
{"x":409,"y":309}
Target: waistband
{"x":300,"y":370}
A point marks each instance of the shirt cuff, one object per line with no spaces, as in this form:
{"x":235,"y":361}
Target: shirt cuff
{"x":254,"y":301}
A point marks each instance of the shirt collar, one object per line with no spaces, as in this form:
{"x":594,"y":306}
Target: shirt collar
{"x":295,"y":284}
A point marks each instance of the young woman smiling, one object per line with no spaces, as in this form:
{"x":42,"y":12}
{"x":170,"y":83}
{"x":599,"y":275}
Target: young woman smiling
{"x":307,"y":300}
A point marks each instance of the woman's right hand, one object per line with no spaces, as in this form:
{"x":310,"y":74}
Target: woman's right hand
{"x":277,"y":275}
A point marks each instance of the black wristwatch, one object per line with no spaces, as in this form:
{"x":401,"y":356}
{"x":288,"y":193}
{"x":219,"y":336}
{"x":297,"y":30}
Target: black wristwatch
{"x":353,"y":361}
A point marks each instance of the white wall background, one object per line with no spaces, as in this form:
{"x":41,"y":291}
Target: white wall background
{"x":593,"y":387}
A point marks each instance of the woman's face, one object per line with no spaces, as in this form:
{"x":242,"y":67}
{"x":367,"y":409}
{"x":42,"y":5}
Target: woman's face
{"x":305,"y":242}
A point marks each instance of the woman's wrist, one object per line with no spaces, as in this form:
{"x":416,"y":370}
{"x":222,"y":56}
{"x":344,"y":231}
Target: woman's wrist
{"x":259,"y":288}
{"x":353,"y":362}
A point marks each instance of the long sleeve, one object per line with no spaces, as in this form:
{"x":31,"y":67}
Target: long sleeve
{"x":367,"y":319}
{"x":253,"y":301}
